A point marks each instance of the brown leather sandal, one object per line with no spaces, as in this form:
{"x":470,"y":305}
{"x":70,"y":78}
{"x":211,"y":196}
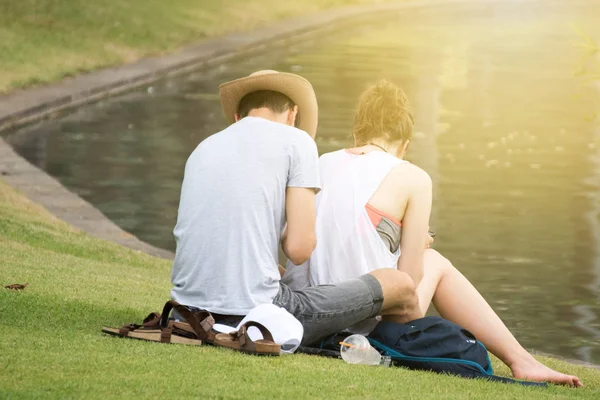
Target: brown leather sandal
{"x":240,"y":341}
{"x":157,"y":328}
{"x":150,"y":322}
{"x":199,"y":322}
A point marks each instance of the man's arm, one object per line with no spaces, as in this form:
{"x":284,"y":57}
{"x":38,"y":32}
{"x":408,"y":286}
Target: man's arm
{"x":299,"y":239}
{"x":415,"y":225}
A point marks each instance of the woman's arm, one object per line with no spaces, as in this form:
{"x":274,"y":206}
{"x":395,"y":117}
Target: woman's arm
{"x":415,"y":223}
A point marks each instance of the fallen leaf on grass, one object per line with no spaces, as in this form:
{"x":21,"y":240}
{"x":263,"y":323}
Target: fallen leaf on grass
{"x":16,"y":286}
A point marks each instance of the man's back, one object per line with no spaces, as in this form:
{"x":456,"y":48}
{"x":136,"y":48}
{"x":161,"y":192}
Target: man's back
{"x":232,"y":212}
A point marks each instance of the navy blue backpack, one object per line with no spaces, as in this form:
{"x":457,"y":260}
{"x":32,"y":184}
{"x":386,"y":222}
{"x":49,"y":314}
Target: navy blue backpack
{"x":438,"y":345}
{"x":427,"y":344}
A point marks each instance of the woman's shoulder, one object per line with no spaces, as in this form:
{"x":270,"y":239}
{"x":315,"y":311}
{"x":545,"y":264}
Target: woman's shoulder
{"x":331,"y":154}
{"x":407,"y":173}
{"x":330,"y":157}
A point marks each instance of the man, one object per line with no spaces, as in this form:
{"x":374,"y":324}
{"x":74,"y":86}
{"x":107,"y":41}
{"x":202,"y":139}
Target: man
{"x":251,"y":187}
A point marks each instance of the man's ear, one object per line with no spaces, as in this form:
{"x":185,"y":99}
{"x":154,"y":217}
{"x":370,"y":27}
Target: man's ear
{"x":237,"y":117}
{"x":292,"y":114}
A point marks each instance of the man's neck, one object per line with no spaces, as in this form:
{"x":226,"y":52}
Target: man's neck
{"x":267,"y":114}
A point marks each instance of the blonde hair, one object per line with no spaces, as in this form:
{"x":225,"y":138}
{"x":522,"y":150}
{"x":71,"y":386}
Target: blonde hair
{"x":383,"y":112}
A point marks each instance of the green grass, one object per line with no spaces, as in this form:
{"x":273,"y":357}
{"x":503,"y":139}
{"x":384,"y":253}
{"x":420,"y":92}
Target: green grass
{"x":51,"y":345}
{"x":43,"y":41}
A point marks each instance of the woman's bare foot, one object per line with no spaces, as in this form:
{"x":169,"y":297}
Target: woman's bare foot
{"x":533,"y":370}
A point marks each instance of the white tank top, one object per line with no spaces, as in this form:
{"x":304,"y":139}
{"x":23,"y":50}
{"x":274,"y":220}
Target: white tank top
{"x":348,"y":244}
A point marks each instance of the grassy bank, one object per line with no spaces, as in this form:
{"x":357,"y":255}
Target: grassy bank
{"x":43,"y":41}
{"x":51,"y":345}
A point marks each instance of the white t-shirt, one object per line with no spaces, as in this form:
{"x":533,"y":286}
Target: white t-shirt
{"x":232,"y":213}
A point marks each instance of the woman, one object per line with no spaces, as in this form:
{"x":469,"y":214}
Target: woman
{"x":373,"y":212}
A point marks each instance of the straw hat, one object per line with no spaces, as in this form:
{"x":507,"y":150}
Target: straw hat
{"x":298,"y":89}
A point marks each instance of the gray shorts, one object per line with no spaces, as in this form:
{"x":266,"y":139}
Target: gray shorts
{"x":327,"y":309}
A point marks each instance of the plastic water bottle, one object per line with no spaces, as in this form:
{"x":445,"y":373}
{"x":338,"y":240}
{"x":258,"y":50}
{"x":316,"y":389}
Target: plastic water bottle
{"x":356,"y":349}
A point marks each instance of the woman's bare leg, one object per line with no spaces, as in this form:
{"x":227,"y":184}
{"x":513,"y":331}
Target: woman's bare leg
{"x":457,"y":300}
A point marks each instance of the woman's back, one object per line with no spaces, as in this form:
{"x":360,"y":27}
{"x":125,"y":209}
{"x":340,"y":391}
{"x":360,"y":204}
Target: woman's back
{"x":358,"y":213}
{"x":366,"y":192}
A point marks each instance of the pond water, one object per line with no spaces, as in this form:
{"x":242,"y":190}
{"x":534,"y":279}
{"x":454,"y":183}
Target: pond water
{"x":503,"y":127}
